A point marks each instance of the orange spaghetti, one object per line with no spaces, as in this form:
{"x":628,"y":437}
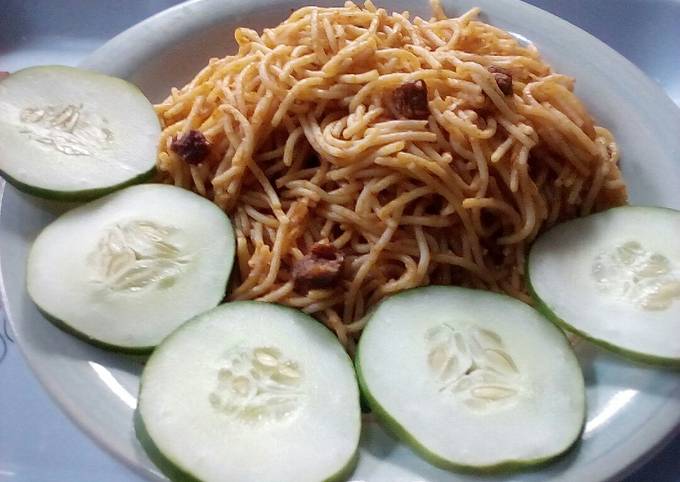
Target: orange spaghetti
{"x":425,"y":151}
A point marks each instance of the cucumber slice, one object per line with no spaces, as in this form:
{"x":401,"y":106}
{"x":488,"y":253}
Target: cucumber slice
{"x":127,"y":269}
{"x":470,"y":379}
{"x":614,"y":277}
{"x":72,"y":134}
{"x":250,"y":391}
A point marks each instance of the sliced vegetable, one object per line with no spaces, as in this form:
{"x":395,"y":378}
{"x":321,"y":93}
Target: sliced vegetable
{"x":250,"y":392}
{"x":614,"y":277}
{"x":72,"y":134}
{"x":127,"y":269}
{"x":471,"y":379}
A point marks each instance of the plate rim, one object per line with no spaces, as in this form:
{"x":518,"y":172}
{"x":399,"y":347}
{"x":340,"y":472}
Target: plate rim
{"x":661,"y":434}
{"x":50,"y":388}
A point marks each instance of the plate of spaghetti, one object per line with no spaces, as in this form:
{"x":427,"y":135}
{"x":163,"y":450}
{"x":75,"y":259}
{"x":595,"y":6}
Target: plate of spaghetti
{"x":377,"y":178}
{"x":363,"y":150}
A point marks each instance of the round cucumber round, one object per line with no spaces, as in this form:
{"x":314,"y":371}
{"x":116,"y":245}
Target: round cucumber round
{"x":471,"y":380}
{"x":127,"y":269}
{"x":250,"y":392}
{"x":71,"y":134}
{"x":614,"y":278}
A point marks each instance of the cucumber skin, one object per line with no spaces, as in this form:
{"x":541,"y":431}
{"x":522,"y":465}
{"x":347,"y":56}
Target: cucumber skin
{"x":77,"y":196}
{"x":125,"y":350}
{"x":173,"y":470}
{"x":402,"y":434}
{"x":85,"y":194}
{"x":629,"y":355}
{"x":164,"y":464}
{"x":542,"y":307}
{"x":63,"y":326}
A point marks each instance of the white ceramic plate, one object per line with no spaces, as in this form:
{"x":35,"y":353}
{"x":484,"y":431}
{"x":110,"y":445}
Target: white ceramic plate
{"x":632,"y":409}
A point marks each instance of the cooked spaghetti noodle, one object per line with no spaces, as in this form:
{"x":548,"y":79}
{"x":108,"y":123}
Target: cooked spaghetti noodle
{"x":308,"y":141}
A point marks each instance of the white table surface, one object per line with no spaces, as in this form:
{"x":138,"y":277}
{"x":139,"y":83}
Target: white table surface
{"x":37,"y":442}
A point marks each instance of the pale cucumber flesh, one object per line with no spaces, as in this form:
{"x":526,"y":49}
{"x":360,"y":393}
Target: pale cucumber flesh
{"x":73,"y":134}
{"x":254,"y":392}
{"x":127,"y":269}
{"x":614,"y":277}
{"x":471,"y":380}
